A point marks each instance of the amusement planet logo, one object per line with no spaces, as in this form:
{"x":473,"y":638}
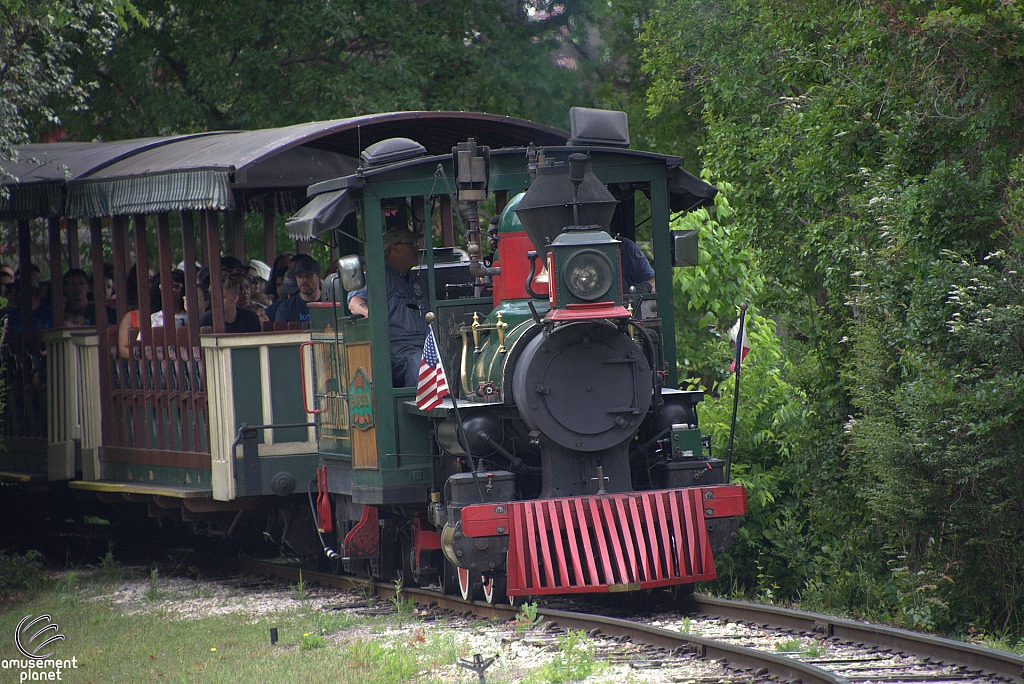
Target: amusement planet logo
{"x":32,"y":637}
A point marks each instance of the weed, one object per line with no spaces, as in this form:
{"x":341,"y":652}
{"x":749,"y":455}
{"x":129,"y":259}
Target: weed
{"x":68,"y":585}
{"x":390,"y":663}
{"x":300,"y":590}
{"x":790,"y":645}
{"x":446,"y":648}
{"x":154,"y":593}
{"x":329,"y":622}
{"x":111,"y":571}
{"x":767,"y":588}
{"x":685,"y":625}
{"x":574,"y":661}
{"x":93,"y":520}
{"x":527,"y":618}
{"x":403,"y":607}
{"x":816,"y":649}
{"x":1001,"y":643}
{"x":19,"y":572}
{"x":311,"y":641}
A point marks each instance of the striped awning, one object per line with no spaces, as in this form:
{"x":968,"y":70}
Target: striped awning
{"x":181,"y":190}
{"x":322,"y":213}
{"x":31,"y":201}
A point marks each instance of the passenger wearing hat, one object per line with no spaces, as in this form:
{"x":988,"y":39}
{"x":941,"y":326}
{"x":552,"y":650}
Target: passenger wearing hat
{"x":259,"y":275}
{"x":406,"y":325}
{"x":307,"y":281}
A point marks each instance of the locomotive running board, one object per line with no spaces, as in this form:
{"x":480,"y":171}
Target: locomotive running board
{"x":607,"y":543}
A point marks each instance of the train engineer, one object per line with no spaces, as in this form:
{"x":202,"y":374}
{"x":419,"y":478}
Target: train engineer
{"x":406,"y":324}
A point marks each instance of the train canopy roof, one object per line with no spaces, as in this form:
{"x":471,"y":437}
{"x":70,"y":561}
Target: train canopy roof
{"x":335,"y":199}
{"x":36,"y":178}
{"x":222,"y":170}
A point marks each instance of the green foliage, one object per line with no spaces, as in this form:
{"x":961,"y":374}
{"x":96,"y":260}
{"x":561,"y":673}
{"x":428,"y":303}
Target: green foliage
{"x":110,"y":570}
{"x":573,"y":661}
{"x":789,"y":645}
{"x":199,"y":66}
{"x":155,"y":593}
{"x":404,"y":608}
{"x":527,"y":617}
{"x":300,"y":590}
{"x":311,"y":641}
{"x":707,"y":295}
{"x":390,"y":663}
{"x":19,"y":572}
{"x":866,"y":146}
{"x":39,"y":41}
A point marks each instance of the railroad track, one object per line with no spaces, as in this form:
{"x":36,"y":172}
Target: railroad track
{"x":851,"y":652}
{"x":974,"y":660}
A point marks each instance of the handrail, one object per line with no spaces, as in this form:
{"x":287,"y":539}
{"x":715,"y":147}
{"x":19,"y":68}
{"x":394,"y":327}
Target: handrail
{"x":302,"y":368}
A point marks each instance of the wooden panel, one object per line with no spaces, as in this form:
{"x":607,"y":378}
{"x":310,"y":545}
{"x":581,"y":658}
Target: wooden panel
{"x":364,"y":442}
{"x":154,"y":457}
{"x":286,"y":394}
{"x":247,"y":388}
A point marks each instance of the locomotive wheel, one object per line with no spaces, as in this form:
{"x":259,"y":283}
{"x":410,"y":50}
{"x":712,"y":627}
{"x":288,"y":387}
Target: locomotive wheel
{"x":469,"y":584}
{"x":406,"y":570}
{"x":449,"y":579}
{"x":494,"y":588}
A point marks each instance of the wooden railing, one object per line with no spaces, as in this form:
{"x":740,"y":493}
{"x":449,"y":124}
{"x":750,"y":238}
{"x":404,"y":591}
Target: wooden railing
{"x":24,"y":410}
{"x":156,"y":408}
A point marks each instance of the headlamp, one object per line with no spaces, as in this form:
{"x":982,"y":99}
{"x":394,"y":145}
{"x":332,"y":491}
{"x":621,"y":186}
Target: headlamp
{"x":588,"y":275}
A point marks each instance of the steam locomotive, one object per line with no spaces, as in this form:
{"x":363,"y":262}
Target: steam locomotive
{"x":563,"y":460}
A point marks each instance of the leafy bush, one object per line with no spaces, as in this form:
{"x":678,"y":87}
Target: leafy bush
{"x":19,"y":572}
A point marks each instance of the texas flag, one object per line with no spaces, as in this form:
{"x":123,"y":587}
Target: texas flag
{"x":734,"y":334}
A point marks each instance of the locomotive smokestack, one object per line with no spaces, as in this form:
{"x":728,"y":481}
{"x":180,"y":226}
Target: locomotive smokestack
{"x":555,"y":201}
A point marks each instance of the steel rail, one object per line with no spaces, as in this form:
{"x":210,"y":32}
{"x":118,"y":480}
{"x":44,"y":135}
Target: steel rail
{"x":923,"y":645}
{"x":738,"y":657}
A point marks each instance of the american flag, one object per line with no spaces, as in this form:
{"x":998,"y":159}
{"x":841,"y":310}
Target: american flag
{"x":432,"y":385}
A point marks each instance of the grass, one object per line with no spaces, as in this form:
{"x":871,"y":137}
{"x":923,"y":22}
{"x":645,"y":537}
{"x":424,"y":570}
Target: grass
{"x":573,"y":661}
{"x":149,"y":646}
{"x":154,"y":643}
{"x":810,"y":648}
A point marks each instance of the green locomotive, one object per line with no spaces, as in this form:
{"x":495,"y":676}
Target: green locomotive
{"x":563,"y":460}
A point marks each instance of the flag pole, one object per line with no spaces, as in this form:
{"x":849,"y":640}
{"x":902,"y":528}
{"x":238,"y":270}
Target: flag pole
{"x":458,"y":419}
{"x":736,"y":395}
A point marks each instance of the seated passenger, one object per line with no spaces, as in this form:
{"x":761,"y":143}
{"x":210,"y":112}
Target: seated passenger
{"x":406,"y":324}
{"x":78,"y":310}
{"x":236,"y":320}
{"x":259,"y":274}
{"x":42,"y":315}
{"x":6,"y":278}
{"x":307,"y":280}
{"x":156,"y":318}
{"x":285,"y":290}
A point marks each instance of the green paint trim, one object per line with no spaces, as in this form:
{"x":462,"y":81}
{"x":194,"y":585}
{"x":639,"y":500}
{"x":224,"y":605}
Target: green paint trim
{"x":155,"y":475}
